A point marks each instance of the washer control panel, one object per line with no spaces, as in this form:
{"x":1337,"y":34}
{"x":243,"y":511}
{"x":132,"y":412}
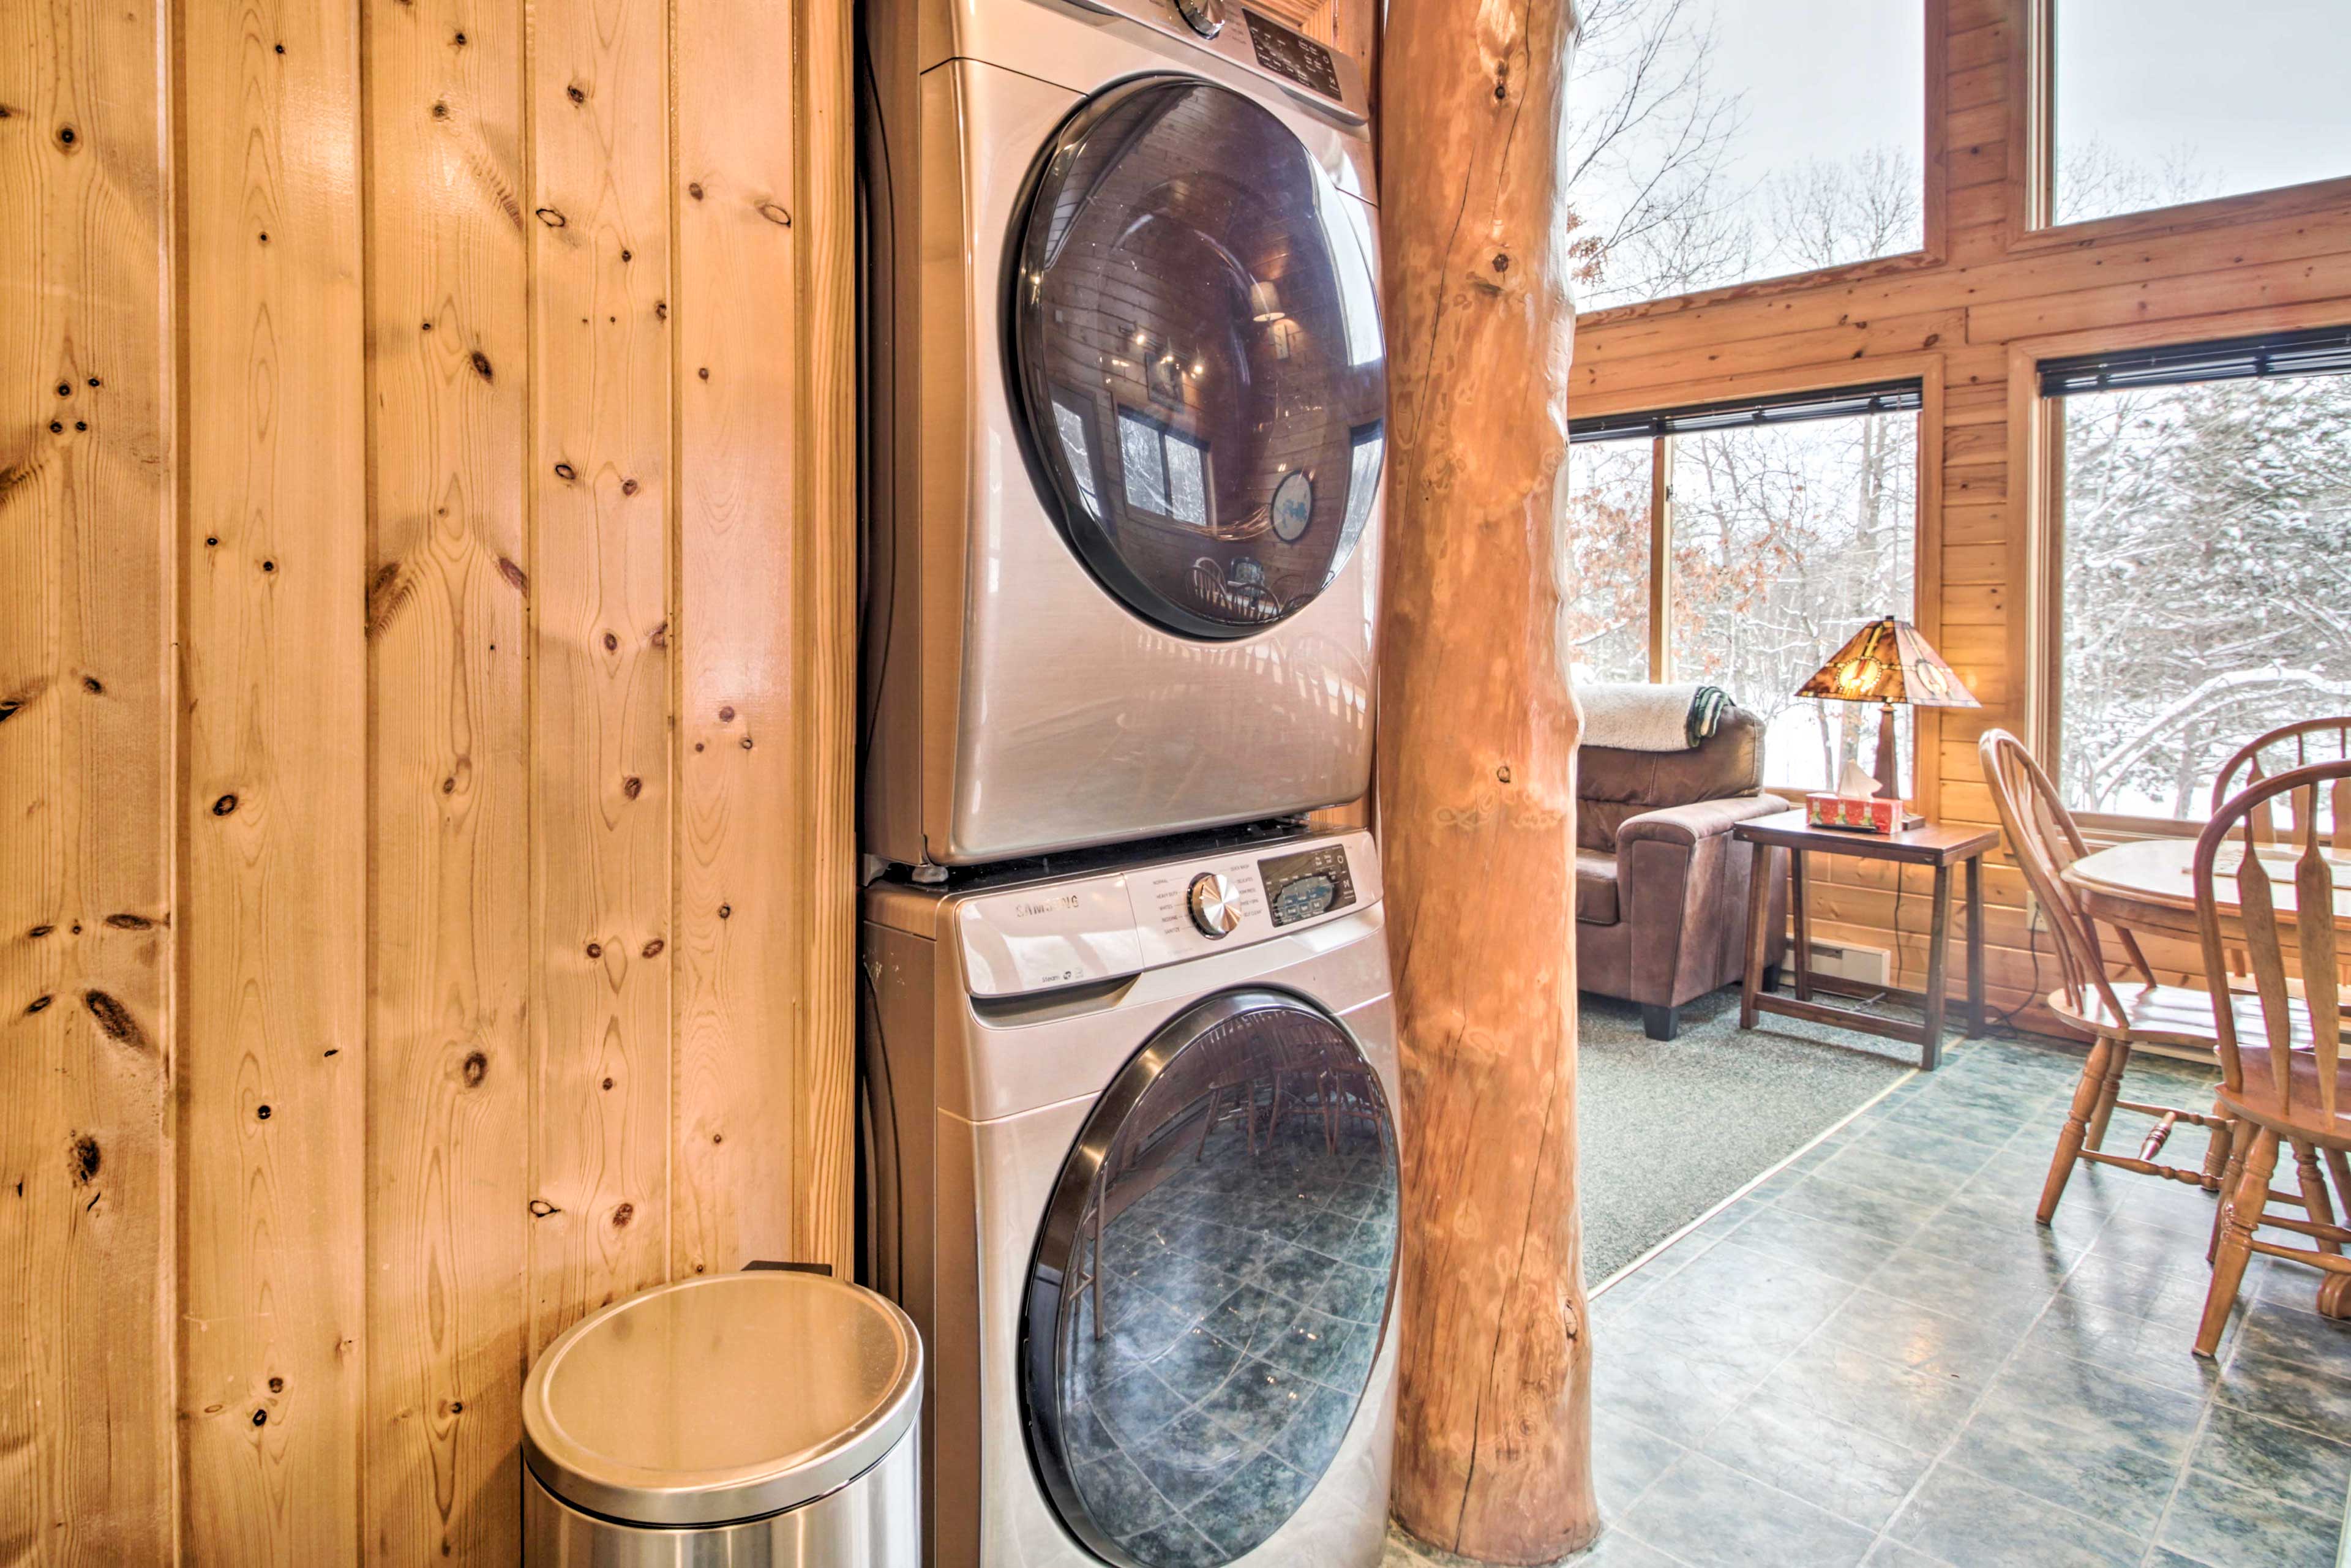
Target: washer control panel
{"x":1305,"y":883}
{"x":1047,"y":934}
{"x":1308,"y":70}
{"x":1216,"y":908}
{"x":1292,"y":55}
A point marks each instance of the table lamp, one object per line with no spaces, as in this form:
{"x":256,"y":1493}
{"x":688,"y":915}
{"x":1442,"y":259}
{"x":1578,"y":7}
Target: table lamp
{"x":1886,"y":663}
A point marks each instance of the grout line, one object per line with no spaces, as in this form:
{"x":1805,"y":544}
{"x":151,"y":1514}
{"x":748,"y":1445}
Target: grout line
{"x":2342,"y":1539}
{"x":2179,"y":1479}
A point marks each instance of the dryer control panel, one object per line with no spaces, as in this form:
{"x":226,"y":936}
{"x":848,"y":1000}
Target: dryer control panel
{"x":1047,"y":935}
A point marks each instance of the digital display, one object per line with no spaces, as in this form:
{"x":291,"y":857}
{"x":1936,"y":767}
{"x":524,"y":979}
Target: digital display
{"x":1288,"y":54}
{"x":1311,"y":883}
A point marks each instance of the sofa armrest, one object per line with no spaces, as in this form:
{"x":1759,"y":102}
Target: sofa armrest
{"x":1686,"y":825}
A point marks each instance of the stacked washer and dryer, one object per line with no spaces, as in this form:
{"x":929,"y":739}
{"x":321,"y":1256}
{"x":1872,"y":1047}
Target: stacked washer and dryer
{"x":1129,"y":1083}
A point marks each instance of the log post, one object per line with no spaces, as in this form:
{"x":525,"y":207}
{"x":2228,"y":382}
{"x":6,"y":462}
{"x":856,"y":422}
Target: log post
{"x":1477,"y":782}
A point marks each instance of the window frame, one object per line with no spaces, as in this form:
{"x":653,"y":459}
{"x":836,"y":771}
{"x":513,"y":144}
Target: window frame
{"x":1166,"y":433}
{"x":1934,"y":208}
{"x":2037,"y":453}
{"x":2032,"y":166}
{"x":1925,"y":550}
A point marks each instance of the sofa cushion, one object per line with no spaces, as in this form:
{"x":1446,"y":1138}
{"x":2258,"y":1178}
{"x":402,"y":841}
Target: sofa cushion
{"x":1595,"y":888}
{"x":1613,"y":786}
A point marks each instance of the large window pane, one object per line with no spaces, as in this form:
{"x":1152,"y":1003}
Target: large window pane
{"x":2207,"y":591}
{"x":1786,"y":540}
{"x":1606,"y":630}
{"x":2163,"y":102}
{"x":1717,"y":141}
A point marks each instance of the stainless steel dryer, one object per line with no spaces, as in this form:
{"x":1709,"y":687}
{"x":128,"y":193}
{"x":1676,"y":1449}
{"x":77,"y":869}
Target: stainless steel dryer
{"x":1131,"y":1164}
{"x":1125,"y":386}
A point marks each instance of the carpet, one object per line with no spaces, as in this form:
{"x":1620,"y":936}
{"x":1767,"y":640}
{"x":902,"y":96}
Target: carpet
{"x":1669,"y":1129}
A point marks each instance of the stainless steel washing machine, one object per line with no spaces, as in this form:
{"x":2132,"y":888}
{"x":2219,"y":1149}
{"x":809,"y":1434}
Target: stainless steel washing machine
{"x":1129,"y":1162}
{"x":1126,"y":387}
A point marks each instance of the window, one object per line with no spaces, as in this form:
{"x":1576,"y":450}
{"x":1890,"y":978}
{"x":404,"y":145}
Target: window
{"x":1783,"y":527}
{"x":1719,"y":142}
{"x":1366,"y":446}
{"x":2205,"y":560}
{"x":1166,"y":472}
{"x":2157,"y":103}
{"x":1069,"y":425}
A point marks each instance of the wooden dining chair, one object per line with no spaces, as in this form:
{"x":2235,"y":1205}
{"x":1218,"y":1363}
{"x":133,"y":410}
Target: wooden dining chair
{"x":2115,"y":1015}
{"x":2302,"y":745}
{"x":2283,"y":1073}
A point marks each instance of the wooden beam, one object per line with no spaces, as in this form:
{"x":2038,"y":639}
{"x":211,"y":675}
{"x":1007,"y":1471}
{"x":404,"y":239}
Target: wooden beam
{"x":1476,"y":774}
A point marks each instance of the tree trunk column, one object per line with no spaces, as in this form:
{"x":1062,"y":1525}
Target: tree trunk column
{"x":1477,"y":775}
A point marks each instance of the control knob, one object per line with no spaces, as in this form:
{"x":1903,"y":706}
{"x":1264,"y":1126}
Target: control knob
{"x":1215,"y":909}
{"x":1206,"y":18}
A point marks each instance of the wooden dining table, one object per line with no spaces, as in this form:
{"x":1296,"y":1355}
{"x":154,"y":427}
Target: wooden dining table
{"x":2149,"y":884}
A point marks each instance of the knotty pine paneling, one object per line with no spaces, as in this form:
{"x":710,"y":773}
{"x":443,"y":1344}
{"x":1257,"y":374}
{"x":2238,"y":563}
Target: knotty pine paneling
{"x":2248,"y":265}
{"x":272,"y":908}
{"x":448,"y":630}
{"x":88,"y":788}
{"x":600,"y":701}
{"x":422,"y":433}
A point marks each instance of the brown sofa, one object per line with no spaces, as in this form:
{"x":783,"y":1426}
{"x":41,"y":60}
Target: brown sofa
{"x":1660,"y":885}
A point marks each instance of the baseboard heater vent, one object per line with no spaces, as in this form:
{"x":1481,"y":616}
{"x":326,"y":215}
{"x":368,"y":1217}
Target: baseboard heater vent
{"x":1860,"y":966}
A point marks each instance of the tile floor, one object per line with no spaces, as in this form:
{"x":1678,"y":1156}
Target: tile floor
{"x":1876,"y":1356}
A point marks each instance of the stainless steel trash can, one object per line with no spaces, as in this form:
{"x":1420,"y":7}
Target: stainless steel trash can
{"x":754,"y":1420}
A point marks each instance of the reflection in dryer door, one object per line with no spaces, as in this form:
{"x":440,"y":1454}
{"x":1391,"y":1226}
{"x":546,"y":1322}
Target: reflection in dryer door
{"x":1212,"y":1283}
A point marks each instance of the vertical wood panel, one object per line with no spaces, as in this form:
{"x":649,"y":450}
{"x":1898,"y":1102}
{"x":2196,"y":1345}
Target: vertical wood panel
{"x":825,"y":652}
{"x":335,"y":649}
{"x":742,"y":780}
{"x":599,"y":243}
{"x":86,"y":787}
{"x":450,"y":825}
{"x":274,"y":944}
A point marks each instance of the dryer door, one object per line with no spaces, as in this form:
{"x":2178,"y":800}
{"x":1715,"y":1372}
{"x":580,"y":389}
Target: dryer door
{"x":1195,"y":352}
{"x":1211,"y":1283}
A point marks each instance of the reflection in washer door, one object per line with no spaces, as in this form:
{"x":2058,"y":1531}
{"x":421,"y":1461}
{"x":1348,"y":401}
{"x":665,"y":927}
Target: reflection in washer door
{"x":1211,"y":1283}
{"x":1196,"y":350}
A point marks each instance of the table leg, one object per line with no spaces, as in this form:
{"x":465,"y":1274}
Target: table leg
{"x":1759,"y":912}
{"x":1975,"y":947}
{"x":1803,"y":926}
{"x":1938,"y":972}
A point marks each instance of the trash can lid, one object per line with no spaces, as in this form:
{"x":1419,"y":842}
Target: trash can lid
{"x":720,"y":1398}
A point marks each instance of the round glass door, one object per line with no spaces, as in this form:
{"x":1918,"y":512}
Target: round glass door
{"x":1196,"y":355}
{"x":1211,"y":1283}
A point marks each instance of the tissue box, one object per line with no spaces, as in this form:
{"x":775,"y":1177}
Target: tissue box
{"x":1876,"y":814}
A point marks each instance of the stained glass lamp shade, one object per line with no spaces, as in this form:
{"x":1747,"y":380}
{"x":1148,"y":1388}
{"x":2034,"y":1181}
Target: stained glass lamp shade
{"x":1886,"y":663}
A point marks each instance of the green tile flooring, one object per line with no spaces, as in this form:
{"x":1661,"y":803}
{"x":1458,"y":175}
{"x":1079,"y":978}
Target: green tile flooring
{"x":1876,"y":1356}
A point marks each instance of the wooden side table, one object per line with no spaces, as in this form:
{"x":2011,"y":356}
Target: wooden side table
{"x":1933,"y":845}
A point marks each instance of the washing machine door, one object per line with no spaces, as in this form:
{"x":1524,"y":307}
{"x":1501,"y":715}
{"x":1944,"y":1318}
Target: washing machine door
{"x":1211,"y":1283}
{"x":1196,"y":353}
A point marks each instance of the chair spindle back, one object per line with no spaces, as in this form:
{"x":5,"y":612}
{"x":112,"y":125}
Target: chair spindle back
{"x":2044,"y":838}
{"x":2300,"y":745}
{"x":2267,"y":932}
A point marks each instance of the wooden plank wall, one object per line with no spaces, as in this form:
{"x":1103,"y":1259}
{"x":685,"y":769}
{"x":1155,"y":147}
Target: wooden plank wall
{"x":426,"y":891}
{"x":1997,"y":297}
{"x":88,"y":615}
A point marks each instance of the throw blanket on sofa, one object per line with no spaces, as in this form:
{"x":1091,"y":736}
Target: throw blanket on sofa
{"x":1633,"y":715}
